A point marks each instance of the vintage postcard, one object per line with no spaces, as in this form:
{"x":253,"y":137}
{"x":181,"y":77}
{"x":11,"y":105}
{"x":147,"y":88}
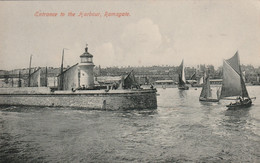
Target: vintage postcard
{"x":130,"y":81}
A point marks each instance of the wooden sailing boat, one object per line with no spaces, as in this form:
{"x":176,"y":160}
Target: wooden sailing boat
{"x":233,"y":83}
{"x":182,"y":81}
{"x":199,"y":83}
{"x":129,"y":82}
{"x":206,"y":94}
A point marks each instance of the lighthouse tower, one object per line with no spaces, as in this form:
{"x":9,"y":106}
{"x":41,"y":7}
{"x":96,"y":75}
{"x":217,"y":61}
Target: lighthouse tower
{"x":86,"y":66}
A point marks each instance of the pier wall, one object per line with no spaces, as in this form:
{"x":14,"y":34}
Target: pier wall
{"x":103,"y":101}
{"x":25,"y":90}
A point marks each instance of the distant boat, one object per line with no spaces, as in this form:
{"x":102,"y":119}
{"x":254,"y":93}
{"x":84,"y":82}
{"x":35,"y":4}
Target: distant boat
{"x":182,"y":81}
{"x":196,"y":82}
{"x":206,"y":94}
{"x":233,"y":84}
{"x":199,"y":83}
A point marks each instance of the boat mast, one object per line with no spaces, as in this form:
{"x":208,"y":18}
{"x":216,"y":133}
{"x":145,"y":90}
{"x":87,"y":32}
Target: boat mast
{"x":29,"y":83}
{"x":61,"y":71}
{"x":19,"y":81}
{"x":46,"y":76}
{"x":12,"y":78}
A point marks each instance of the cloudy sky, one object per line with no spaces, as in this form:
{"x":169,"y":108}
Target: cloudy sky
{"x":155,"y":33}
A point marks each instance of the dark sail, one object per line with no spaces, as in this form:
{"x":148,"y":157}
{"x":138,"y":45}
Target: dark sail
{"x":206,"y":90}
{"x":130,"y":81}
{"x":181,"y":73}
{"x":233,"y":83}
{"x":243,"y":85}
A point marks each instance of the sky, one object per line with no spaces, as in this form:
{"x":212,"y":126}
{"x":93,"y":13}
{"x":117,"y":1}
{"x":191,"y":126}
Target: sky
{"x":155,"y":32}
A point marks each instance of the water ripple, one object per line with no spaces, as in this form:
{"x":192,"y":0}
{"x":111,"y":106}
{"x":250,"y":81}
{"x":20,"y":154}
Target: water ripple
{"x":181,"y":129}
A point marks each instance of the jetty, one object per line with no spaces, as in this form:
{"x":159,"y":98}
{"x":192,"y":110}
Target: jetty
{"x":76,"y":88}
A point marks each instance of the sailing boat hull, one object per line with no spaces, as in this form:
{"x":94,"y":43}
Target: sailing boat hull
{"x":209,"y":100}
{"x":238,"y":105}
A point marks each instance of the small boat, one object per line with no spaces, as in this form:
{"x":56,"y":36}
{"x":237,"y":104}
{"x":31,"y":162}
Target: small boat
{"x":182,"y":81}
{"x":195,"y":81}
{"x":240,"y":104}
{"x":199,"y":83}
{"x":206,"y":94}
{"x":233,"y":84}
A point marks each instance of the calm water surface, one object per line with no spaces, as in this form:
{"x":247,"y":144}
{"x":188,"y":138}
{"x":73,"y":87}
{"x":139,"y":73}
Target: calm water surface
{"x":182,"y":129}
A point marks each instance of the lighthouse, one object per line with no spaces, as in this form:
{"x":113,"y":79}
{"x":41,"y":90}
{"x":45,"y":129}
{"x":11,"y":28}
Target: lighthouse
{"x":86,"y":66}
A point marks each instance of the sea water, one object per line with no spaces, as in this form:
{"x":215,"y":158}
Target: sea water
{"x":181,"y":129}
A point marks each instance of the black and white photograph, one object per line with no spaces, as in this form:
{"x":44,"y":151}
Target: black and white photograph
{"x":130,"y":81}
